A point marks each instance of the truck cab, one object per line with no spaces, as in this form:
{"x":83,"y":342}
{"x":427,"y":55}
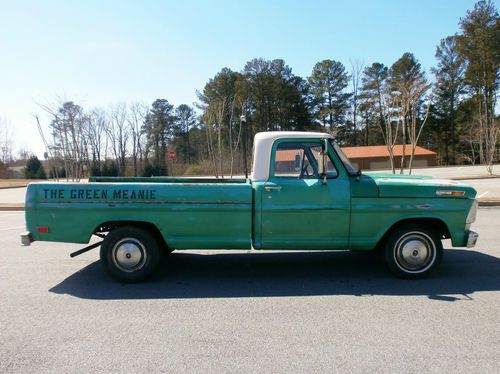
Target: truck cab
{"x":299,"y":207}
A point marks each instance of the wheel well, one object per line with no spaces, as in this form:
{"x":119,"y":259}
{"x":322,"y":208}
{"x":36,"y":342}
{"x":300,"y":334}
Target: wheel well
{"x":433,"y":223}
{"x":148,"y":226}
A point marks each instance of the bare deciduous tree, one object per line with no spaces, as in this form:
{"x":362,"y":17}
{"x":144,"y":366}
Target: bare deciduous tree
{"x":67,"y":142}
{"x":219,"y":109}
{"x":95,"y":133}
{"x":135,"y":118}
{"x":209,"y":128}
{"x":118,"y":134}
{"x":357,"y":67}
{"x":234,"y":143}
{"x":416,"y":126}
{"x":390,"y":123}
{"x":489,"y":131}
{"x":410,"y":96}
{"x":6,"y":142}
{"x":407,"y":82}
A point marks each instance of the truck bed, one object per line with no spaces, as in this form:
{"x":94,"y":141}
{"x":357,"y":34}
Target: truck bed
{"x":188,"y":212}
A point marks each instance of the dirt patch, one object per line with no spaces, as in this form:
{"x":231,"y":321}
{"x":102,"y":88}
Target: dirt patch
{"x":14,"y":183}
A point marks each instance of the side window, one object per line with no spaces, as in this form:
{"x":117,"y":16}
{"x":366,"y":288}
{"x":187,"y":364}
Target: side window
{"x":299,"y":160}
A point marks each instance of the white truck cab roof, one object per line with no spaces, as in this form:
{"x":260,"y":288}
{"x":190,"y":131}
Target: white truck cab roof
{"x":262,"y":146}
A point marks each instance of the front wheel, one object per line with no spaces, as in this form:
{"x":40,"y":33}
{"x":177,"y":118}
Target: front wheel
{"x":413,"y":251}
{"x":130,"y":254}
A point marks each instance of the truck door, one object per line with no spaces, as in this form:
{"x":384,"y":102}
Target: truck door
{"x":300,"y":210}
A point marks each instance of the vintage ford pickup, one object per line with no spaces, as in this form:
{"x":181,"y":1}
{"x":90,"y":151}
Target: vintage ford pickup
{"x":303,"y":194}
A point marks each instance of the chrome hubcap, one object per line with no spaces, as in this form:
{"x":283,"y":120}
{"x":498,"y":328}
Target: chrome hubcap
{"x":129,"y":255}
{"x":415,"y":252}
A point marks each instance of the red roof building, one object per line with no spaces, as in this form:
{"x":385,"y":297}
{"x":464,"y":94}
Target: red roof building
{"x":377,"y":157}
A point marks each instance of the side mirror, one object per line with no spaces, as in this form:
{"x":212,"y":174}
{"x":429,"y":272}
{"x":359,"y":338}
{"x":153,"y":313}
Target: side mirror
{"x":358,"y":174}
{"x":323,"y":161}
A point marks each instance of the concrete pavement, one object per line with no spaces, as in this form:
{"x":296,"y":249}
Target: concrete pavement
{"x":239,"y":312}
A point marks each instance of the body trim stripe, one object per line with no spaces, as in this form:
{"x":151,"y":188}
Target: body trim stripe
{"x":148,"y":202}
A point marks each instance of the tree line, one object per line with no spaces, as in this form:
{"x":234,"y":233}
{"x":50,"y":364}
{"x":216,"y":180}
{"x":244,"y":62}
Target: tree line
{"x":452,"y":112}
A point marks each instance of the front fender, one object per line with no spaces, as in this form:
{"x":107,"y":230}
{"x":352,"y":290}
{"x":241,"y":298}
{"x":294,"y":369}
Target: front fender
{"x":372,"y":218}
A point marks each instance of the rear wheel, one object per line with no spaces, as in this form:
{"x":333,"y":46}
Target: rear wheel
{"x":130,"y":254}
{"x":413,"y":251}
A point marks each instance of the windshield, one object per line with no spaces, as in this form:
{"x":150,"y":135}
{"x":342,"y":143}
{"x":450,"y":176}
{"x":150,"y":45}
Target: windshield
{"x":347,"y":164}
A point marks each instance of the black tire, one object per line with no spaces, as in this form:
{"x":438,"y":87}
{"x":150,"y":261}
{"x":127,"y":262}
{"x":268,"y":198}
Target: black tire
{"x":413,"y":251}
{"x":130,"y":254}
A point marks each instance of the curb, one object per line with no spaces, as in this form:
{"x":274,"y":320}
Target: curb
{"x":15,"y":186}
{"x":472,"y":177}
{"x":11,"y":207}
{"x":489,"y":203}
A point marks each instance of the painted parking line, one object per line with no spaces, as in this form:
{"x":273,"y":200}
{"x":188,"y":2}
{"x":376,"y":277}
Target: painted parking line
{"x":13,"y":228}
{"x":7,"y":214}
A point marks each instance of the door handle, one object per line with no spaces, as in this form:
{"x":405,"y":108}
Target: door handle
{"x":272,"y":188}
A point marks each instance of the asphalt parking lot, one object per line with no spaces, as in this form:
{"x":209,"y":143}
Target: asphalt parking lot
{"x":239,"y":312}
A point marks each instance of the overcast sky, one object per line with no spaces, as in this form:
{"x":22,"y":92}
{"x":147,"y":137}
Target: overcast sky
{"x":101,"y":52}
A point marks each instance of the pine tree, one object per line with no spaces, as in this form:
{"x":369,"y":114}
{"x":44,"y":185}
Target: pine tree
{"x":158,"y":127}
{"x":328,"y":81}
{"x":34,"y":169}
{"x":372,"y":89}
{"x":479,"y":46}
{"x":184,"y":122}
{"x":449,"y":86}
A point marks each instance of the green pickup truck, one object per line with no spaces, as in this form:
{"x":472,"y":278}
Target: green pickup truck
{"x":303,"y":194}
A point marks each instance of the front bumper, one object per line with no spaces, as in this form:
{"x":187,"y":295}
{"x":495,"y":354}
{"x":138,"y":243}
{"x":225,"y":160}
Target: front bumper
{"x":472,"y":239}
{"x":26,"y":238}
